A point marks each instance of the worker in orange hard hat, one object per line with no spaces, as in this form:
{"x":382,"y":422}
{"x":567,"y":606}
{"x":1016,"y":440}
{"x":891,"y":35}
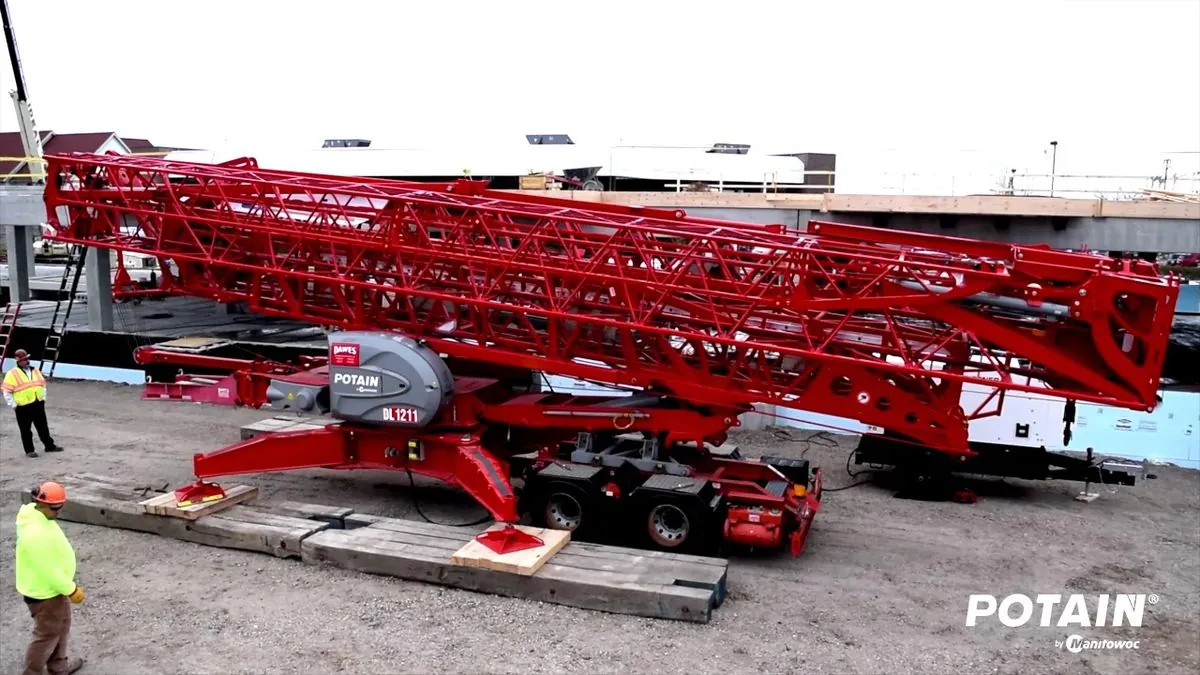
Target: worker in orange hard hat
{"x":25,"y":392}
{"x":45,"y":571}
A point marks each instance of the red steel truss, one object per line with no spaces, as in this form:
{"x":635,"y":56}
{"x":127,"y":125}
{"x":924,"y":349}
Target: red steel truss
{"x":876,"y":325}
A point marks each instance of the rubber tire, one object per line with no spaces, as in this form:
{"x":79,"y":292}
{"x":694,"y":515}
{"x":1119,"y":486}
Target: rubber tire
{"x":700,"y":523}
{"x":587,"y":504}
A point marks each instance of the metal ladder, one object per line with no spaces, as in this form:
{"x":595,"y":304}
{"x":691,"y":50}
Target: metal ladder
{"x":8,"y":324}
{"x":72,"y":271}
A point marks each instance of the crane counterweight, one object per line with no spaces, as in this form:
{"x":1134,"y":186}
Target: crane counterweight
{"x":385,"y":378}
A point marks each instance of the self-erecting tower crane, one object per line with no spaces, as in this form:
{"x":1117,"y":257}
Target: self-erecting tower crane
{"x":703,"y":318}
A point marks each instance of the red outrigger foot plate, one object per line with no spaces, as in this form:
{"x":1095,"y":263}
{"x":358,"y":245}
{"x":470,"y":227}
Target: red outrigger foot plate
{"x":508,"y":540}
{"x":198,"y":493}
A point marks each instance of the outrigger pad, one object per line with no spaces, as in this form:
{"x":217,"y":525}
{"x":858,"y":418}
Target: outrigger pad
{"x":508,"y":540}
{"x":198,"y":493}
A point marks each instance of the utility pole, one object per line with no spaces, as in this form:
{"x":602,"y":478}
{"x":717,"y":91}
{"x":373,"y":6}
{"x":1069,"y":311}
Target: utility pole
{"x":1053,"y":164}
{"x":18,"y":238}
{"x":31,"y":140}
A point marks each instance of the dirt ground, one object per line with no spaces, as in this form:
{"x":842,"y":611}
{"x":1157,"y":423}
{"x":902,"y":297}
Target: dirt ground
{"x":883,"y":586}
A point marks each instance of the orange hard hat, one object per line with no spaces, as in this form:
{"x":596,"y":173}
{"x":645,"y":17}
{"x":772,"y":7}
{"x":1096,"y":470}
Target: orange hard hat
{"x":50,"y":494}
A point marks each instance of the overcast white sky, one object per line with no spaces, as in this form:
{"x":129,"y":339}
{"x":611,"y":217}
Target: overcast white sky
{"x":953,"y":85}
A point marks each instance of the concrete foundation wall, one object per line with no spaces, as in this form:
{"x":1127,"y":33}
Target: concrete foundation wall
{"x":789,"y":217}
{"x":1151,"y":235}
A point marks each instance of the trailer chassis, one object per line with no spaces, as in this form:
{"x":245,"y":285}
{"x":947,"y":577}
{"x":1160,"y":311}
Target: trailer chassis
{"x":645,"y":465}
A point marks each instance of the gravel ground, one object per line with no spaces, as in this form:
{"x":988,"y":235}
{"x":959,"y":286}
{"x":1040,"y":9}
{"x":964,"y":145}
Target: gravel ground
{"x":883,"y":586}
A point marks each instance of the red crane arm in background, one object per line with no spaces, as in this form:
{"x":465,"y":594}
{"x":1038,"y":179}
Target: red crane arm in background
{"x":876,"y":325}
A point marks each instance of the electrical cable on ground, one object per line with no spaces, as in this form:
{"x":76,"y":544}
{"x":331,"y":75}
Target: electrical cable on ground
{"x":412,"y":493}
{"x":852,"y":475}
{"x":822,"y":439}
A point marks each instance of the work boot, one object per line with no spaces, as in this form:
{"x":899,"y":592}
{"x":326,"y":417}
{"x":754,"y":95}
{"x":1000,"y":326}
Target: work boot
{"x":57,"y":448}
{"x":31,"y":454}
{"x":72,"y":666}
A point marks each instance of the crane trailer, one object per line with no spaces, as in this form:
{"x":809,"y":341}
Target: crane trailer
{"x":435,"y":290}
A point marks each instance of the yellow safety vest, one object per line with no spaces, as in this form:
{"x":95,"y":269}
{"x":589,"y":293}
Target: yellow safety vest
{"x":25,"y":389}
{"x":45,"y":560}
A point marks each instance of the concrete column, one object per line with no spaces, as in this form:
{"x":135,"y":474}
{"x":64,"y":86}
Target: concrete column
{"x":20,"y":262}
{"x":31,"y":235}
{"x":98,"y":269}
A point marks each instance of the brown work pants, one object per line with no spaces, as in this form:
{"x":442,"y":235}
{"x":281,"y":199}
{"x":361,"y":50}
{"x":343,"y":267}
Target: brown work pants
{"x":47,"y":651}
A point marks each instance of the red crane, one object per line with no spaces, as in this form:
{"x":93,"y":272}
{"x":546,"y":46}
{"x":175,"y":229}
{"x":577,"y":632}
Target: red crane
{"x":703,"y":318}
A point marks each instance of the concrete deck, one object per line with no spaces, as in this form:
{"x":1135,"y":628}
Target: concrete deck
{"x":174,"y":318}
{"x":1151,"y":227}
{"x":1143,"y":226}
{"x":981,"y":205}
{"x":23,"y":205}
{"x":47,"y":278}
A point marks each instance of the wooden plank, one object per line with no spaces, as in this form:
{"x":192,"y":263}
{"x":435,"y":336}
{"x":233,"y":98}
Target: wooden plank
{"x":115,"y":491}
{"x":615,"y":592}
{"x":458,"y":534}
{"x":606,"y":550}
{"x":995,"y":205}
{"x":164,"y":504}
{"x":282,"y":423}
{"x":586,"y":576}
{"x":229,"y":529}
{"x":268,"y":425}
{"x":192,"y":343}
{"x":1147,"y":209}
{"x":330,"y":514}
{"x":526,"y":562}
{"x":537,"y":182}
{"x":669,"y":568}
{"x":660,"y":567}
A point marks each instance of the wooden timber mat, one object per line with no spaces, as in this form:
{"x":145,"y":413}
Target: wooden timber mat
{"x":583,"y":575}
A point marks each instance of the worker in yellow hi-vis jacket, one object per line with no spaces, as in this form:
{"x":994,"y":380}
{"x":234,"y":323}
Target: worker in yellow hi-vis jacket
{"x":25,"y":392}
{"x":45,"y":571}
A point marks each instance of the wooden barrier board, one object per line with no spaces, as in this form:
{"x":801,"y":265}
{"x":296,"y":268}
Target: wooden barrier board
{"x":588,"y":576}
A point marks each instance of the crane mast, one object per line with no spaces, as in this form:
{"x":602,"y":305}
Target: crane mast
{"x":704,"y":318}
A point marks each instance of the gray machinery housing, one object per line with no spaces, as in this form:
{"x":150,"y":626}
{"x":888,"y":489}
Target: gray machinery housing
{"x":374,"y":377}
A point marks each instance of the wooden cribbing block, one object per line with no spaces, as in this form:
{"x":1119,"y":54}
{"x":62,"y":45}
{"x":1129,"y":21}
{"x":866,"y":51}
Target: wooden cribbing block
{"x":335,"y":515}
{"x":588,"y":576}
{"x":584,"y":575}
{"x":525,"y":562}
{"x":280,"y":423}
{"x":242,"y":527}
{"x":164,"y":504}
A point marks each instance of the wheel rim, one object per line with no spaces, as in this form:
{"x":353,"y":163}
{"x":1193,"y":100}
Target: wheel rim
{"x":669,"y":525}
{"x":563,"y":512}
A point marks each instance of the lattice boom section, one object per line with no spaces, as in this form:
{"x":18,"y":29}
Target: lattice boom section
{"x":872,"y":324}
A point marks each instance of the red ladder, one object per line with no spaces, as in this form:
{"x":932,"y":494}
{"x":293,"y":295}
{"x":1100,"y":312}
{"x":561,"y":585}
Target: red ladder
{"x":8,"y":324}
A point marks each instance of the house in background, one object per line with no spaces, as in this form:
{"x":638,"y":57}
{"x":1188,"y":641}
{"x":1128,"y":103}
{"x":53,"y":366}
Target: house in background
{"x":141,"y":146}
{"x":14,"y":169}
